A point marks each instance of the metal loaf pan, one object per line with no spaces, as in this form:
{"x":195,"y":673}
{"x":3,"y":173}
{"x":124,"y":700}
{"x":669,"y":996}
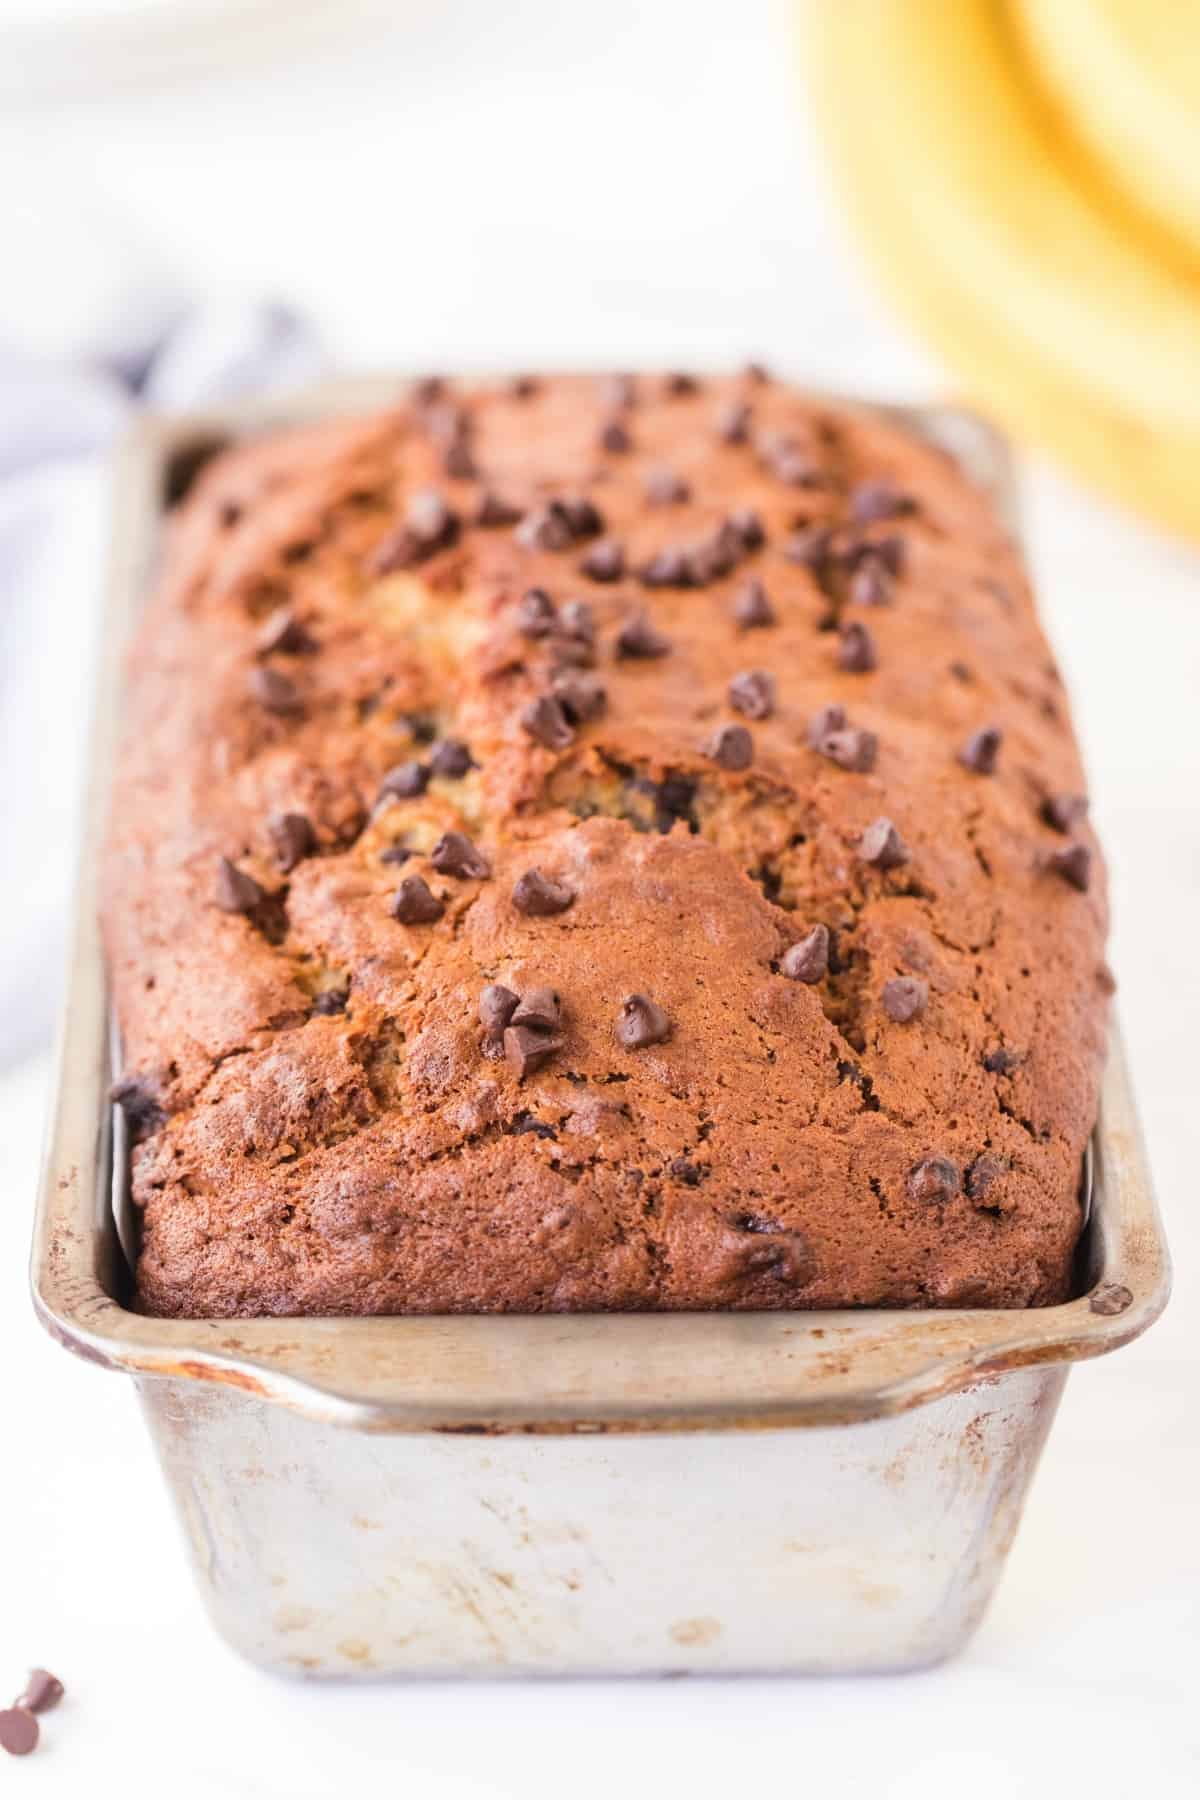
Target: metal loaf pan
{"x":804,"y":1492}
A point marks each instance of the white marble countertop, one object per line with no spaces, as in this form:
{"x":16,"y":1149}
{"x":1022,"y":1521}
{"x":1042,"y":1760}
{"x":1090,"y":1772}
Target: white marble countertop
{"x":532,"y":184}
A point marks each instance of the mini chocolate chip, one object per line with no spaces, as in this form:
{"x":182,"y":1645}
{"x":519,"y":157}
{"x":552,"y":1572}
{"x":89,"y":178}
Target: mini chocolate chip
{"x":236,"y":892}
{"x":537,"y":896}
{"x":455,"y":854}
{"x":639,"y":637}
{"x":678,"y":383}
{"x":717,"y":555}
{"x":935,"y":1179}
{"x":752,"y":693}
{"x":545,"y":719}
{"x":497,"y":1005}
{"x":641,"y":1022}
{"x":143,"y":1114}
{"x":539,"y":1008}
{"x":547,"y":527}
{"x":982,"y":1174}
{"x":1002,"y":1062}
{"x":282,"y":631}
{"x":732,"y":422}
{"x":404,"y":782}
{"x":1063,"y":811}
{"x":331,"y":1002}
{"x":582,"y":697}
{"x":829,"y":718}
{"x":41,"y":1692}
{"x":870,"y":585}
{"x":428,"y":525}
{"x":873,"y":500}
{"x":1110,"y":1298}
{"x":664,"y":487}
{"x":686,"y":1171}
{"x":458,"y":460}
{"x":981,"y":749}
{"x":904,"y":998}
{"x":416,"y":903}
{"x":537,"y":615}
{"x":752,"y":608}
{"x":891,"y":552}
{"x":811,"y":548}
{"x":617,"y":392}
{"x":615,"y":437}
{"x":577,"y":620}
{"x":583,"y":515}
{"x":671,"y":567}
{"x":731,"y":747}
{"x":428,"y":389}
{"x":450,"y":759}
{"x":274,"y":692}
{"x":292,"y":838}
{"x":747,"y":527}
{"x":1073,"y":865}
{"x":849,"y":747}
{"x":604,"y":561}
{"x":882,"y":846}
{"x":524,"y":387}
{"x":526,"y":1049}
{"x":493,"y":512}
{"x":856,"y":648}
{"x":396,"y":853}
{"x":18,"y":1731}
{"x":807,"y":959}
{"x":791,"y":463}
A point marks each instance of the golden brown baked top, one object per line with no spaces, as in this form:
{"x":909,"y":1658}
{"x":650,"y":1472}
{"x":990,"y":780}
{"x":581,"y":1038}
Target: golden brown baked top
{"x":600,"y":844}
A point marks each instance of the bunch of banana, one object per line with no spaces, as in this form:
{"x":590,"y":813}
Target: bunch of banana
{"x":1026,"y":175}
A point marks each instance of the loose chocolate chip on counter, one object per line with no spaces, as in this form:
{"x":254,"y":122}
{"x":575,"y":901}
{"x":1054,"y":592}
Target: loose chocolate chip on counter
{"x":663,"y":487}
{"x":582,"y":697}
{"x":614,"y":436}
{"x":873,"y":500}
{"x":752,"y":693}
{"x":416,"y":903}
{"x":856,"y":649}
{"x":450,"y":759}
{"x":18,"y":1731}
{"x":539,"y":1008}
{"x":904,"y":999}
{"x":870,"y":585}
{"x":537,"y":615}
{"x":41,"y":1692}
{"x":672,"y":567}
{"x":1063,"y":811}
{"x":331,"y":1002}
{"x":493,"y":512}
{"x":807,"y":959}
{"x":731,"y":747}
{"x":455,"y":854}
{"x":982,"y":1174}
{"x":545,"y":719}
{"x":732,"y":422}
{"x":1072,"y":865}
{"x":274,"y":692}
{"x":143,"y":1114}
{"x":538,"y":897}
{"x":752,"y":609}
{"x":235,"y":891}
{"x":935,"y":1179}
{"x":640,"y":638}
{"x":292,"y":838}
{"x":282,"y":631}
{"x":882,"y":846}
{"x":641,"y":1022}
{"x":981,"y":749}
{"x":747,"y":527}
{"x":526,"y":1049}
{"x":1109,"y":1299}
{"x":604,"y":561}
{"x":404,"y":782}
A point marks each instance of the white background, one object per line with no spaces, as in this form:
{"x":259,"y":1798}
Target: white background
{"x":541,"y":182}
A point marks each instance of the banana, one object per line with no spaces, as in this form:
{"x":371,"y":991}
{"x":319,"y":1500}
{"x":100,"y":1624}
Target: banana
{"x":1056,"y":316}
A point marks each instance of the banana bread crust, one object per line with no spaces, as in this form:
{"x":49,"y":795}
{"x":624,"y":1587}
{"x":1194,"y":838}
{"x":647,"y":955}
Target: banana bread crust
{"x":600,"y":844}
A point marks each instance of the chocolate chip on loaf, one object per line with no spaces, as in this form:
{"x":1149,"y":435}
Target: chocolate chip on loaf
{"x":873,"y":500}
{"x":540,"y":1008}
{"x":981,"y":749}
{"x":526,"y":1048}
{"x":640,"y":638}
{"x":539,"y":897}
{"x":732,"y":423}
{"x":451,"y":759}
{"x":752,"y":609}
{"x":615,"y":437}
{"x":404,"y":782}
{"x":752,"y":693}
{"x":455,"y":854}
{"x":292,"y":837}
{"x":663,"y":487}
{"x":492,"y":512}
{"x":274,"y":692}
{"x":807,"y":959}
{"x":934,"y":1180}
{"x":582,"y":697}
{"x":537,"y":615}
{"x":283,"y":631}
{"x":415,"y":903}
{"x":904,"y":998}
{"x":1073,"y":865}
{"x":235,"y":891}
{"x":641,"y":1022}
{"x":882,"y":846}
{"x":1062,"y":812}
{"x":496,"y":1006}
{"x":846,"y":745}
{"x":731,"y":747}
{"x":604,"y":561}
{"x":545,"y":719}
{"x":856,"y":648}
{"x":429,"y":525}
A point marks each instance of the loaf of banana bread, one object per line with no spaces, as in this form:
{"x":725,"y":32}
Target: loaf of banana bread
{"x":587,"y":844}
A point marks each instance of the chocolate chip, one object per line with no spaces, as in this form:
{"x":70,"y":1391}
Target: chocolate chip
{"x":236,"y":892}
{"x":274,"y":692}
{"x":1073,"y":865}
{"x":679,"y":383}
{"x":790,"y":462}
{"x":538,"y":897}
{"x":458,"y":460}
{"x":497,"y":1005}
{"x":1002,"y":1062}
{"x":873,"y":500}
{"x":395,"y":853}
{"x":829,"y":718}
{"x":605,"y":561}
{"x":524,"y":387}
{"x":752,"y":693}
{"x":41,"y":1692}
{"x":18,"y":1731}
{"x":641,"y":1022}
{"x":891,"y":552}
{"x":882,"y":846}
{"x":733,"y":422}
{"x":665,"y":488}
{"x":404,"y":782}
{"x":617,"y":392}
{"x":1062,"y":812}
{"x":545,"y":719}
{"x":416,"y":903}
{"x":143,"y":1114}
{"x":731,"y":747}
{"x":856,"y":649}
{"x":547,"y":527}
{"x":640,"y":638}
{"x":429,"y":525}
{"x":582,"y":697}
{"x":330,"y":1002}
{"x":685,"y":1171}
{"x":717,"y":555}
{"x":583,"y":516}
{"x":1109,"y":1299}
{"x":282,"y":631}
{"x":811,"y":548}
{"x":537,"y":615}
{"x":577,"y":620}
{"x":615,"y":437}
{"x":428,"y":389}
{"x":752,"y":608}
{"x":455,"y":854}
{"x":492,"y":512}
{"x":846,"y":745}
{"x":450,"y":759}
{"x":807,"y":959}
{"x":983,"y":1173}
{"x":671,"y":567}
{"x":870,"y":585}
{"x":981,"y":749}
{"x":747,"y":527}
{"x":539,"y":1008}
{"x":904,"y":999}
{"x":292,"y":838}
{"x":526,"y":1049}
{"x":935,"y":1179}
